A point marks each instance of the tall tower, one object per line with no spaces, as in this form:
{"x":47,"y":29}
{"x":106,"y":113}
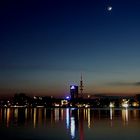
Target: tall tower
{"x":81,"y":86}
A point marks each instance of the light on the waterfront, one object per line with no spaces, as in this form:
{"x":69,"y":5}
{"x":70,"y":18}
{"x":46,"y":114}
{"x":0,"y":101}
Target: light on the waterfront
{"x":68,"y":97}
{"x":35,"y":97}
{"x":86,"y":106}
{"x":56,"y":105}
{"x":135,"y":104}
{"x":64,"y":102}
{"x":125,"y":103}
{"x":111,"y":105}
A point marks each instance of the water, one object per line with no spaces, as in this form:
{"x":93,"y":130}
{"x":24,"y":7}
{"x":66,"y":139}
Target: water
{"x":69,"y":124}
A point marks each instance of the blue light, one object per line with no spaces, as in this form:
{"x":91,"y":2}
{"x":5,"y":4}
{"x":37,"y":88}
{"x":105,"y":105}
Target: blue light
{"x":68,"y":97}
{"x":72,"y":87}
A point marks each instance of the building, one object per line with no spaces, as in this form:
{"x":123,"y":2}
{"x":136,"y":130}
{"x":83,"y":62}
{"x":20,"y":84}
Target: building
{"x":74,"y":92}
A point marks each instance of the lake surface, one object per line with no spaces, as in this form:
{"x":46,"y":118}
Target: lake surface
{"x":69,"y":124}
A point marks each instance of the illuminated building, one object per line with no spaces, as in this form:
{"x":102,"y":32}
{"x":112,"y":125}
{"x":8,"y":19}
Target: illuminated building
{"x":135,"y":104}
{"x":74,"y":92}
{"x":125,"y":103}
{"x":64,"y":102}
{"x":111,"y":105}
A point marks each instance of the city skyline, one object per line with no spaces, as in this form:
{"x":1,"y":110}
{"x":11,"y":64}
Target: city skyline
{"x":46,"y":45}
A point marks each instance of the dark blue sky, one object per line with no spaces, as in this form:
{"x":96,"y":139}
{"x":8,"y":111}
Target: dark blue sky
{"x":46,"y":45}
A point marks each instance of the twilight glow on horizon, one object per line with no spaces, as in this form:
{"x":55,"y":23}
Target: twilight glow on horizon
{"x":45,"y":45}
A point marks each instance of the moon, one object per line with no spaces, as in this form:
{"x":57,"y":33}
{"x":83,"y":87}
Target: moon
{"x":109,"y":8}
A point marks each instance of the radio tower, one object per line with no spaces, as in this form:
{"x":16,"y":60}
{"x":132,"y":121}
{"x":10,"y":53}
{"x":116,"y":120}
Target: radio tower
{"x":81,"y":86}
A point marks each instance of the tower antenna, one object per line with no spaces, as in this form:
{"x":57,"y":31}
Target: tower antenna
{"x":81,"y":86}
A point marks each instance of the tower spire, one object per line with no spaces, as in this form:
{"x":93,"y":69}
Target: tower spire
{"x":81,"y":86}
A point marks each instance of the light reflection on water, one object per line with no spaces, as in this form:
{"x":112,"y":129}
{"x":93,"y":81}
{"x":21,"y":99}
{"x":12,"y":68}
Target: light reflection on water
{"x":71,"y":123}
{"x":125,"y":115}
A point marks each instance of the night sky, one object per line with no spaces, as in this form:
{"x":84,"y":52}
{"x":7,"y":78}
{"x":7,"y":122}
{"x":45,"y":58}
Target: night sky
{"x":45,"y":45}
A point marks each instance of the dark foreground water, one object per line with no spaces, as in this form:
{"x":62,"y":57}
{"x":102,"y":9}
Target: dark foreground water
{"x":69,"y":124}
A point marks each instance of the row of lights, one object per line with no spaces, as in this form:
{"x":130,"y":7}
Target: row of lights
{"x":125,"y":104}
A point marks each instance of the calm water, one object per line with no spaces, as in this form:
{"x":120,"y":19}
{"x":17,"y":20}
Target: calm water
{"x":69,"y":124}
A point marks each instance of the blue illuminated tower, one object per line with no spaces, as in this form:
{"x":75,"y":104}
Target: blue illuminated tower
{"x":74,"y":92}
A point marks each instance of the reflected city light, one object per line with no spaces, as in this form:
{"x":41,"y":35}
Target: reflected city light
{"x":62,"y":114}
{"x":75,"y":123}
{"x":52,"y":116}
{"x":31,"y":112}
{"x":78,"y":114}
{"x":67,"y":118}
{"x":8,"y":116}
{"x":45,"y":116}
{"x":111,"y":114}
{"x":84,"y":114}
{"x":5,"y":113}
{"x":81,"y":126}
{"x":125,"y":115}
{"x":16,"y":113}
{"x":26,"y":114}
{"x":56,"y":112}
{"x":88,"y":118}
{"x":34,"y":117}
{"x":39,"y":116}
{"x":135,"y":113}
{"x":0,"y":115}
{"x":72,"y":127}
